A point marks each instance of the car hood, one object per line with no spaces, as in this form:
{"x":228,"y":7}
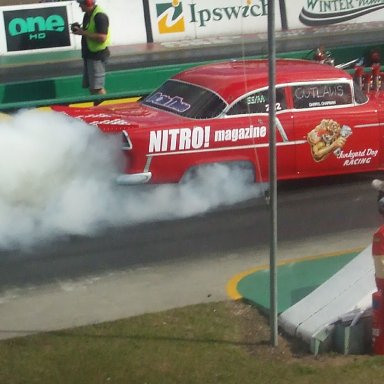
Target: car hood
{"x":115,"y":118}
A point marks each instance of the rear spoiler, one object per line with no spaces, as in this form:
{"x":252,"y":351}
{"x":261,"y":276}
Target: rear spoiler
{"x":107,"y":120}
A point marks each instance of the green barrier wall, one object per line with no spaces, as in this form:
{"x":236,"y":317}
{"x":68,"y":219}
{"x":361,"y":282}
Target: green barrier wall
{"x":125,"y":83}
{"x":64,"y":90}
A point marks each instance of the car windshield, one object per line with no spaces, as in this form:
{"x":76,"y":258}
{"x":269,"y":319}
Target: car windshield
{"x":186,"y":100}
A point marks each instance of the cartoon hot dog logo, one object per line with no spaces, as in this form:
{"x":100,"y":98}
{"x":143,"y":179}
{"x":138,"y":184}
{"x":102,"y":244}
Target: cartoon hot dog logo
{"x":327,"y":137}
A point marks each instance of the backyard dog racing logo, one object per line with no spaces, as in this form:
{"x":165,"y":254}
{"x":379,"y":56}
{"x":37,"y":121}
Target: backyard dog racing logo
{"x":28,"y":29}
{"x":326,"y":138}
{"x":171,"y":17}
{"x":326,"y":12}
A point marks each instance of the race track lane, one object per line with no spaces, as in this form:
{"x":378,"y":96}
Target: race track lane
{"x":157,"y":266}
{"x":312,"y":208}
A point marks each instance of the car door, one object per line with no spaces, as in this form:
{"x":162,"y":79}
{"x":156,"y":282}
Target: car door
{"x":252,"y":110}
{"x":338,"y":133}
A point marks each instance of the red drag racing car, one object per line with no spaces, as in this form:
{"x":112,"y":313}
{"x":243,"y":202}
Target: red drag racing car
{"x":327,"y":122}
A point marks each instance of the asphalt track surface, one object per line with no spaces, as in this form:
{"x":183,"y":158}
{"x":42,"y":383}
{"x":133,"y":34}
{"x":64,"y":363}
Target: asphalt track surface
{"x":155,"y":266}
{"x":160,"y":265}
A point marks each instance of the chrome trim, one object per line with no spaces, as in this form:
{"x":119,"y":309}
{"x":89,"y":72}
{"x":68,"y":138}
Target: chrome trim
{"x":127,"y":143}
{"x":148,"y":163}
{"x":134,"y":179}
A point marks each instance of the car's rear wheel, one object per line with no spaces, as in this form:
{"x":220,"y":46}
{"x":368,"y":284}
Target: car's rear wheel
{"x":239,"y":170}
{"x":225,"y":183}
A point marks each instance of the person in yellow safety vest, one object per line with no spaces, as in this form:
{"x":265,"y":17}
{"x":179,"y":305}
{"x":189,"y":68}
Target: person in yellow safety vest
{"x":95,"y":39}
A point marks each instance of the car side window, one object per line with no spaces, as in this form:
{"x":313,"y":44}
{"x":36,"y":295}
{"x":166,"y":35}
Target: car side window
{"x":321,"y":95}
{"x":258,"y":103}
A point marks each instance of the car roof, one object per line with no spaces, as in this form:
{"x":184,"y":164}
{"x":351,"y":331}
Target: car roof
{"x":231,"y":79}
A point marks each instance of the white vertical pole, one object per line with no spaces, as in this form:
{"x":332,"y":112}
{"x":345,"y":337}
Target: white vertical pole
{"x":272,"y":171}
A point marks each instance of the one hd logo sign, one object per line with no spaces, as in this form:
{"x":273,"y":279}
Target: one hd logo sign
{"x":30,"y":29}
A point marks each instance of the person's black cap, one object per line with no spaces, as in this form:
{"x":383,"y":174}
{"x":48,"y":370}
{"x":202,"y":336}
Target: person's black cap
{"x":91,"y":2}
